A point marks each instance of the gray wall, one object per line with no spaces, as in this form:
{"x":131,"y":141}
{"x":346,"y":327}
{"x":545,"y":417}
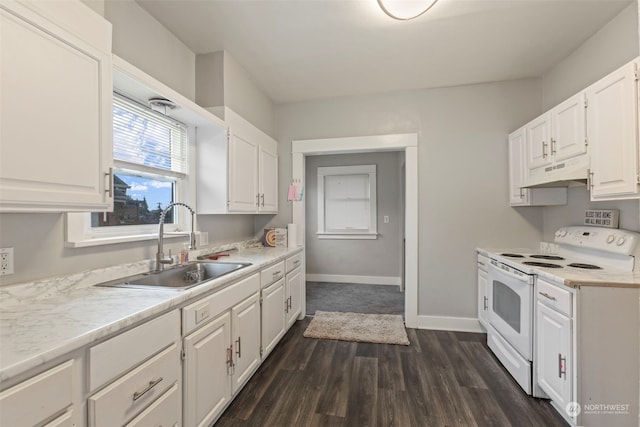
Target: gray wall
{"x":463,"y":203}
{"x":611,"y":47}
{"x":380,"y":257}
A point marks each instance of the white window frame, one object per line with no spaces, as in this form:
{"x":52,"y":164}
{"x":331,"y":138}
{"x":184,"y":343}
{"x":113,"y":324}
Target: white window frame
{"x":369,"y":233}
{"x":80,"y":233}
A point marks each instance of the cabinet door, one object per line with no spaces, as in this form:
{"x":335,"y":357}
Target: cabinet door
{"x":243,"y":174}
{"x":207,"y":387}
{"x":537,"y":139}
{"x":55,"y":112}
{"x":483,"y":297}
{"x":294,"y":295}
{"x":245,"y":321}
{"x":553,"y":354}
{"x":273,"y":315}
{"x":568,"y":128}
{"x":517,"y":194}
{"x":268,"y":181}
{"x":612,"y":132}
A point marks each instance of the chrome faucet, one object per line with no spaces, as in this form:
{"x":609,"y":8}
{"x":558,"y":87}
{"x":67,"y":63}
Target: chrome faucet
{"x":161,"y":260}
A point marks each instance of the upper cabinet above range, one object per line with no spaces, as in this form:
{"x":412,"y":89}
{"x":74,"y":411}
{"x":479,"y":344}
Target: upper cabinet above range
{"x":55,"y":98}
{"x":590,"y":138}
{"x":556,"y":144}
{"x":238,"y":172}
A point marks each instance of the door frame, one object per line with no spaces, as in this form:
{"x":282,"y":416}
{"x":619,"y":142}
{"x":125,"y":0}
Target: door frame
{"x":366,"y":144}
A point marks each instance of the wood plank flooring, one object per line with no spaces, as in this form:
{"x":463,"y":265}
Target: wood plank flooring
{"x":441,"y":379}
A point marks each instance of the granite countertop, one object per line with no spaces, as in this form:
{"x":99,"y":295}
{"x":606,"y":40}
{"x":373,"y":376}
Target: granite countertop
{"x":575,"y":278}
{"x":43,"y":320}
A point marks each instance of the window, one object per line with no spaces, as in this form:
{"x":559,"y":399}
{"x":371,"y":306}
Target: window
{"x":150,"y":165}
{"x":347,"y":202}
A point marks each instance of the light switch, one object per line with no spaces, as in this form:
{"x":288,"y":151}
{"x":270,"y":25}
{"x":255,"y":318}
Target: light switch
{"x":386,"y":219}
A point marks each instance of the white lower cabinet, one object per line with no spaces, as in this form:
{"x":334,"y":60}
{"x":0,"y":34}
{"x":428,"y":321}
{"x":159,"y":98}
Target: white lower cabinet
{"x":221,"y":348}
{"x":245,"y":326}
{"x":207,"y":366}
{"x":273,"y":315}
{"x":45,"y":398}
{"x":554,"y":356}
{"x":483,"y":286}
{"x":293,"y":294}
{"x":133,"y":380}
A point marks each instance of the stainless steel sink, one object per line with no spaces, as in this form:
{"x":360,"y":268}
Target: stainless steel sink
{"x":179,"y":278}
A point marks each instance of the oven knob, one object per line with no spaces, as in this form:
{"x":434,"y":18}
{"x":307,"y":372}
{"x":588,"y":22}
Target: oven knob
{"x":620,"y":241}
{"x":611,"y":238}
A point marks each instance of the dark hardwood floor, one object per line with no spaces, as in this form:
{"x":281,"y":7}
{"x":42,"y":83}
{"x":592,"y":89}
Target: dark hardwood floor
{"x":441,"y":379}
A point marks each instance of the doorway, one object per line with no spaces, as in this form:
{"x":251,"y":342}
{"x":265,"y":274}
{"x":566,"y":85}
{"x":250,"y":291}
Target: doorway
{"x":397,"y":142}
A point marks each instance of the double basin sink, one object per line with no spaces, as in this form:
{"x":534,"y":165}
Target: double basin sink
{"x":180,"y":277}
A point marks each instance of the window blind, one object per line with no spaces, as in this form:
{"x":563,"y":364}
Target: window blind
{"x":145,"y":137}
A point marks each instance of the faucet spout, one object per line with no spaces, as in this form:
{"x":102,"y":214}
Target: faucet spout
{"x":161,"y":260}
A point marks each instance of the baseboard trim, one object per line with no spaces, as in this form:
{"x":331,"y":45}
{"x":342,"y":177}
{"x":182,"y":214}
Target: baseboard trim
{"x":444,"y":323}
{"x":344,"y":278}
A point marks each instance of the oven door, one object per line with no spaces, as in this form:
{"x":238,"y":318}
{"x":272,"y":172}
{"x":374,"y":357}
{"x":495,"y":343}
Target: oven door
{"x":510,"y":308}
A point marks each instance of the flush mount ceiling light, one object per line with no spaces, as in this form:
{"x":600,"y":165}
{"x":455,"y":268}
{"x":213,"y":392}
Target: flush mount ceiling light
{"x":404,"y":10}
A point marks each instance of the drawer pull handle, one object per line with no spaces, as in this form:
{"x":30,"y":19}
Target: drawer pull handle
{"x":289,"y":304}
{"x":486,"y":303}
{"x":296,"y":262}
{"x":547,"y":296}
{"x":562,"y":370}
{"x":138,"y":394}
{"x":277,"y":273}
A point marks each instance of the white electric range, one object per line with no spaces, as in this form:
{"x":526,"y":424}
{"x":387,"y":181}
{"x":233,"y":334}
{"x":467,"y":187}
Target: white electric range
{"x":580,"y":254}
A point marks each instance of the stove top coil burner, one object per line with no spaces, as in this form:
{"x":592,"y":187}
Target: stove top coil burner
{"x":585,"y":266}
{"x":542,"y":264}
{"x":513,"y":255}
{"x":548,"y":257}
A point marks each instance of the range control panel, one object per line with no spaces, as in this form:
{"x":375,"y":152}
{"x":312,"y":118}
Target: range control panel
{"x":621,"y":242}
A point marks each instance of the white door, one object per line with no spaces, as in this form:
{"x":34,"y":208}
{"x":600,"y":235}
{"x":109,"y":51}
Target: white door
{"x":517,"y":194}
{"x":612,"y":127}
{"x":273,"y":317}
{"x":537,"y":139}
{"x":568,"y":128}
{"x":207,"y":387}
{"x":553,"y":354}
{"x":243,"y":174}
{"x":245,"y":324}
{"x":294,"y":295}
{"x":55,"y":118}
{"x":268,"y":181}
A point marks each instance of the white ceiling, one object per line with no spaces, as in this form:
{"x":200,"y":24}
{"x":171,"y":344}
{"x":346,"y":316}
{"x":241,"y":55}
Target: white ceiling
{"x":308,"y":49}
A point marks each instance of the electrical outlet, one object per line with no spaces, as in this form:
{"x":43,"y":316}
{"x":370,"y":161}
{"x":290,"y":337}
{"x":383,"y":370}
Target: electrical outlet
{"x":6,"y":261}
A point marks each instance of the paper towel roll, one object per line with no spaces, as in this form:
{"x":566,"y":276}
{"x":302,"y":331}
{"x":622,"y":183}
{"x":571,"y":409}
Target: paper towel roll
{"x":292,"y":235}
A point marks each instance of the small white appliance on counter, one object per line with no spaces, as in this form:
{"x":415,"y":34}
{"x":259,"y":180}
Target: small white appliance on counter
{"x":584,"y":255}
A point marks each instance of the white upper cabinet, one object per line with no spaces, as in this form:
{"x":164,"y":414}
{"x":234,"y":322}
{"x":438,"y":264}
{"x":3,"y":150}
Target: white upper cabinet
{"x":55,"y":108}
{"x":556,"y":144}
{"x":613,"y":135}
{"x":518,"y":195}
{"x":237,"y":172}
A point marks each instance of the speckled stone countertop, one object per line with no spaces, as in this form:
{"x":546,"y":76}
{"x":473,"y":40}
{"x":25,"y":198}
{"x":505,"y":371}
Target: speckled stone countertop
{"x":43,"y":320}
{"x":575,"y":278}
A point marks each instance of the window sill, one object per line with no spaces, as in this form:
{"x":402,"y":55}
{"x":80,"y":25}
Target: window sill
{"x":98,"y":241}
{"x":348,"y":236}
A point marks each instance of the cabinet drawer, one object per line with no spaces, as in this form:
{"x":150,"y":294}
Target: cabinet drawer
{"x":131,"y":394}
{"x":34,"y":400}
{"x":208,"y":308}
{"x":294,"y":262}
{"x":555,"y":297}
{"x":119,"y":354}
{"x":165,"y":411}
{"x":272,"y":274}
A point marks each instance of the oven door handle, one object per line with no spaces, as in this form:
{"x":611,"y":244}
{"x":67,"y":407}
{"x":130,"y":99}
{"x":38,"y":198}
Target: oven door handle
{"x":525,"y":278}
